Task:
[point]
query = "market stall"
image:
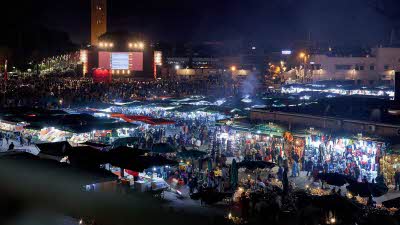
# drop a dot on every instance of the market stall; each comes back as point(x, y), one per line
point(390, 163)
point(9, 126)
point(355, 156)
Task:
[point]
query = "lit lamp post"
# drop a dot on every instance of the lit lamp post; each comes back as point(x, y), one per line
point(233, 69)
point(303, 56)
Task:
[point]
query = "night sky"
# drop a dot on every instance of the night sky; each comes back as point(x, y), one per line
point(261, 21)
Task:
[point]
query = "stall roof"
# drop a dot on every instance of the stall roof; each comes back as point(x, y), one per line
point(76, 123)
point(348, 107)
point(71, 175)
point(143, 119)
point(54, 149)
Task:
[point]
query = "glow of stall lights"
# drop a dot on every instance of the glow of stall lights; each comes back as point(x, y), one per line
point(220, 102)
point(230, 216)
point(154, 169)
point(100, 114)
point(108, 110)
point(247, 100)
point(333, 220)
point(305, 97)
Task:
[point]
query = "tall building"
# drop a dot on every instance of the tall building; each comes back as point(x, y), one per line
point(378, 67)
point(99, 20)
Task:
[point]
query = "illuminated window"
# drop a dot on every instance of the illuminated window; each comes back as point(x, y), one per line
point(359, 67)
point(342, 67)
point(316, 67)
point(386, 67)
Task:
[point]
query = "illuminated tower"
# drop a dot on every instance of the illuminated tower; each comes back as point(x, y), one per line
point(99, 20)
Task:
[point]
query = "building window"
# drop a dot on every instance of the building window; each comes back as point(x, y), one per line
point(343, 67)
point(359, 67)
point(371, 67)
point(316, 67)
point(386, 67)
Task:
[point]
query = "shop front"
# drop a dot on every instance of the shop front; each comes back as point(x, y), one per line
point(8, 126)
point(390, 163)
point(355, 156)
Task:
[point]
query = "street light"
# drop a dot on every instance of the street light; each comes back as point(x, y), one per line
point(233, 68)
point(141, 45)
point(302, 55)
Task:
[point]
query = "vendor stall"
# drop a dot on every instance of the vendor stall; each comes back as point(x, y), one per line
point(11, 126)
point(355, 156)
point(390, 163)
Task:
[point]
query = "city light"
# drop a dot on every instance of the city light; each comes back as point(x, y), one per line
point(141, 45)
point(177, 67)
point(106, 44)
point(233, 68)
point(136, 45)
point(302, 55)
point(158, 58)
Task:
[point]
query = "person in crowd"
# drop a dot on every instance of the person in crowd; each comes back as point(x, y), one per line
point(295, 165)
point(191, 185)
point(29, 139)
point(245, 205)
point(1, 139)
point(285, 181)
point(371, 202)
point(21, 140)
point(11, 146)
point(280, 173)
point(309, 167)
point(356, 172)
point(397, 180)
point(326, 167)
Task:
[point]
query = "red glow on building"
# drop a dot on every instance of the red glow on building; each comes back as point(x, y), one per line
point(101, 75)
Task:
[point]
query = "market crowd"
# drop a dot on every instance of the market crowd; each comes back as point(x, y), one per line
point(53, 92)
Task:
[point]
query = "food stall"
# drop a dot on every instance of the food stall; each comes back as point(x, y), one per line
point(346, 154)
point(9, 126)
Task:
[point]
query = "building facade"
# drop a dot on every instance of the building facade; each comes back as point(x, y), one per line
point(98, 20)
point(379, 67)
